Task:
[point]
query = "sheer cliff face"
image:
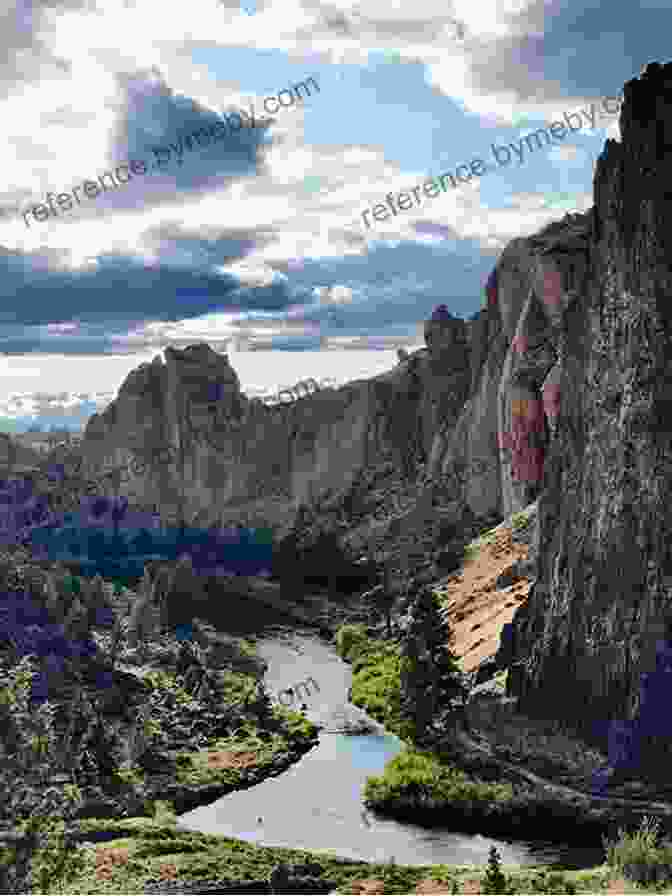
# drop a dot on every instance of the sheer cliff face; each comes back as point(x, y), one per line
point(193, 444)
point(493, 458)
point(474, 412)
point(603, 593)
point(560, 390)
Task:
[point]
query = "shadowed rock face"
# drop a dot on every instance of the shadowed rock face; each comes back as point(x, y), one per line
point(602, 596)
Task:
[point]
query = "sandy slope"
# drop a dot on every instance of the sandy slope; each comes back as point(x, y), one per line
point(475, 609)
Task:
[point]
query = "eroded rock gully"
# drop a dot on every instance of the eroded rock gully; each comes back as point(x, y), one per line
point(558, 390)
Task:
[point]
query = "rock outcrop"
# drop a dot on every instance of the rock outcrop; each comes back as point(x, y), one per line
point(601, 601)
point(558, 391)
point(191, 443)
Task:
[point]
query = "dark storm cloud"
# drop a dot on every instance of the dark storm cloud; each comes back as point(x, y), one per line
point(153, 118)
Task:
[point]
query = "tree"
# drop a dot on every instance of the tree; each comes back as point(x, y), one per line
point(430, 679)
point(495, 881)
point(31, 761)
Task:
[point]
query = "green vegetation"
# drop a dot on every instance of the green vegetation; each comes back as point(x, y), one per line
point(416, 779)
point(410, 686)
point(430, 679)
point(495, 881)
point(130, 775)
point(39, 806)
point(499, 680)
point(225, 759)
point(376, 679)
point(520, 520)
point(147, 848)
point(639, 855)
point(77, 729)
point(350, 639)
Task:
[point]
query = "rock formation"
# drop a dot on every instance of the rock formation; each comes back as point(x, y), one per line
point(601, 602)
point(558, 391)
point(229, 459)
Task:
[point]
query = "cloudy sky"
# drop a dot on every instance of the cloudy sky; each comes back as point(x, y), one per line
point(254, 240)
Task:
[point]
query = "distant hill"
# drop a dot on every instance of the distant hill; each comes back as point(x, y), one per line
point(16, 455)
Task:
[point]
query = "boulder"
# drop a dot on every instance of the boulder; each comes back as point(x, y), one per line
point(505, 653)
point(486, 670)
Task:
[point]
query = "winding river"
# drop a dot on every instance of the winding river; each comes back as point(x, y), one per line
point(317, 803)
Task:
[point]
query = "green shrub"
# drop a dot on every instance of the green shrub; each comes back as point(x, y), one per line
point(349, 637)
point(375, 685)
point(639, 848)
point(32, 801)
point(520, 520)
point(494, 881)
point(130, 775)
point(471, 550)
point(545, 882)
point(163, 812)
point(418, 777)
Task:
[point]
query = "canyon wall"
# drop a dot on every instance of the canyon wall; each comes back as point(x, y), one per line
point(558, 391)
point(456, 432)
point(603, 596)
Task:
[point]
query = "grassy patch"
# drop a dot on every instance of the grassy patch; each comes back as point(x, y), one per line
point(148, 850)
point(499, 680)
point(639, 855)
point(375, 682)
point(417, 778)
point(413, 779)
point(350, 639)
point(130, 775)
point(520, 520)
point(153, 848)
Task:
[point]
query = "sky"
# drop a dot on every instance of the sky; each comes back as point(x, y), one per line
point(253, 238)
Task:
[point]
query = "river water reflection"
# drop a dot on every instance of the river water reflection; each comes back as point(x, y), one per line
point(317, 803)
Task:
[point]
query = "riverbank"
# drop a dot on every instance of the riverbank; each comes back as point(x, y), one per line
point(151, 857)
point(475, 782)
point(203, 747)
point(203, 763)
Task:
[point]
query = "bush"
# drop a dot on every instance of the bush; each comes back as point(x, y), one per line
point(418, 778)
point(639, 855)
point(376, 685)
point(163, 812)
point(545, 882)
point(471, 551)
point(494, 881)
point(45, 813)
point(350, 639)
point(519, 520)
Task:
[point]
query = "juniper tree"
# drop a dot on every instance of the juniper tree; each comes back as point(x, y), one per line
point(430, 678)
point(495, 881)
